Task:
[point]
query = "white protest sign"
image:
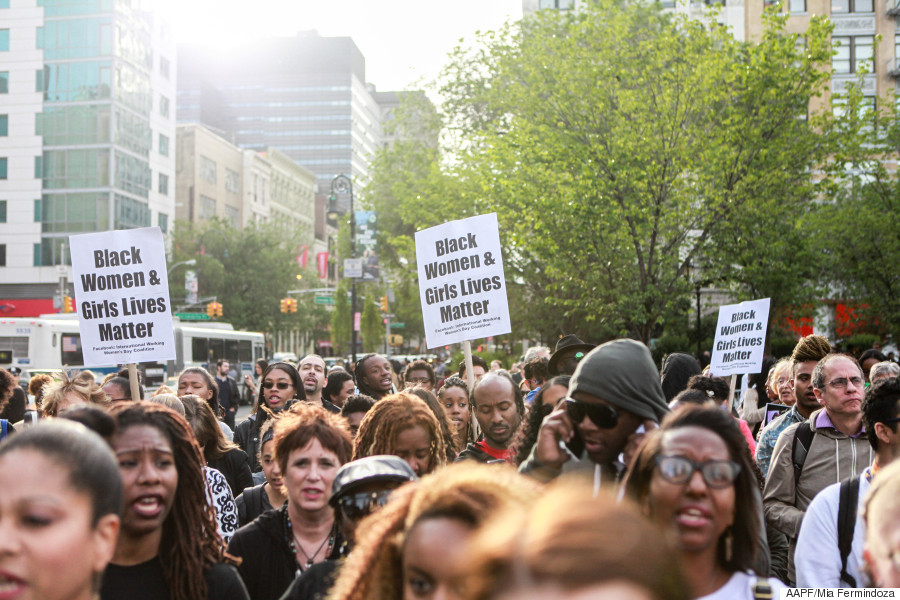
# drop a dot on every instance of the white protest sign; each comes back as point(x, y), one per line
point(740, 338)
point(461, 282)
point(122, 290)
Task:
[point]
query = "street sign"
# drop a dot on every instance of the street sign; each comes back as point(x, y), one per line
point(398, 325)
point(324, 300)
point(192, 316)
point(353, 268)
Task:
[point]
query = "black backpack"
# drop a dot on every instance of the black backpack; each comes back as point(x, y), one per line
point(848, 498)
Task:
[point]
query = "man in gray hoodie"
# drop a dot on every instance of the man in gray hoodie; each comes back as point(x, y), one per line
point(614, 396)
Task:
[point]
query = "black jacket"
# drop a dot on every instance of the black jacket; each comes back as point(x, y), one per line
point(234, 395)
point(246, 435)
point(268, 566)
point(252, 503)
point(235, 466)
point(473, 452)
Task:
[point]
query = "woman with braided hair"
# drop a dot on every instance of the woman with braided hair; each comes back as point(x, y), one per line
point(411, 547)
point(404, 426)
point(168, 547)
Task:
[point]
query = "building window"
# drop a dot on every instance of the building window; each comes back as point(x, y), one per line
point(207, 169)
point(799, 6)
point(4, 82)
point(4, 125)
point(852, 53)
point(38, 167)
point(163, 184)
point(37, 211)
point(4, 40)
point(2, 168)
point(232, 215)
point(232, 181)
point(36, 255)
point(164, 106)
point(39, 81)
point(2, 211)
point(163, 145)
point(2, 255)
point(164, 66)
point(207, 207)
point(4, 3)
point(162, 220)
point(852, 6)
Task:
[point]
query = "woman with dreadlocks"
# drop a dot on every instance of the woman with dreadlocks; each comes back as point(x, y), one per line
point(168, 547)
point(404, 426)
point(279, 388)
point(374, 376)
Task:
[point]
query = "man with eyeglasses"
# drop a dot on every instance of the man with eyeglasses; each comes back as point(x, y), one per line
point(806, 355)
point(420, 373)
point(838, 448)
point(614, 396)
point(569, 352)
point(819, 557)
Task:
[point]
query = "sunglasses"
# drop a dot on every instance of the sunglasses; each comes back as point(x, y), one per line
point(679, 470)
point(357, 506)
point(602, 415)
point(281, 385)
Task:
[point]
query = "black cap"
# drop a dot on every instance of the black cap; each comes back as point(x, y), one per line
point(567, 342)
point(370, 469)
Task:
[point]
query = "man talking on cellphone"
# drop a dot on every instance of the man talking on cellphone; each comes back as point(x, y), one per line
point(614, 397)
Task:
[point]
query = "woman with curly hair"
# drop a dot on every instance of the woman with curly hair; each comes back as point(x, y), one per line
point(168, 546)
point(595, 548)
point(65, 392)
point(279, 387)
point(444, 421)
point(543, 404)
point(413, 546)
point(404, 426)
point(311, 444)
point(694, 477)
point(454, 396)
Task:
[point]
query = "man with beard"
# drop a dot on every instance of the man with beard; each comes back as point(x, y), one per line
point(614, 396)
point(313, 373)
point(499, 408)
point(806, 355)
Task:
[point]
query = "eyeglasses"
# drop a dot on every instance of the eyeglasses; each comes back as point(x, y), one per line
point(841, 382)
point(602, 415)
point(281, 385)
point(679, 470)
point(357, 506)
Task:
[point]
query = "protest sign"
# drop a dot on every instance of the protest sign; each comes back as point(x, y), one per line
point(740, 338)
point(461, 283)
point(773, 411)
point(122, 290)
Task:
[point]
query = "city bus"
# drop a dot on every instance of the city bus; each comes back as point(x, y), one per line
point(53, 342)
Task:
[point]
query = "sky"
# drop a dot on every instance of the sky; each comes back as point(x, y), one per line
point(404, 41)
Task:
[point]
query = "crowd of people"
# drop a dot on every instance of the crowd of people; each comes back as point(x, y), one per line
point(589, 473)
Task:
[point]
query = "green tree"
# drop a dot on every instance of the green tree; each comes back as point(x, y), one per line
point(371, 322)
point(621, 147)
point(259, 269)
point(340, 320)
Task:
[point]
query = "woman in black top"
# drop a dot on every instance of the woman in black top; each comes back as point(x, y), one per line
point(220, 454)
point(280, 386)
point(256, 500)
point(311, 444)
point(168, 547)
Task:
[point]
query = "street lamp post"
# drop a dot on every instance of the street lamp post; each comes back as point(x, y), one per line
point(342, 184)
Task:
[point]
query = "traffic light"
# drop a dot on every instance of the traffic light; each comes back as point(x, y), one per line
point(214, 309)
point(284, 304)
point(384, 304)
point(396, 340)
point(288, 305)
point(68, 304)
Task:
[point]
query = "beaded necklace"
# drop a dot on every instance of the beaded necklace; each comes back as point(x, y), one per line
point(289, 538)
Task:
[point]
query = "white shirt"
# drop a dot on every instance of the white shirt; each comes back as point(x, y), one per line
point(817, 558)
point(740, 587)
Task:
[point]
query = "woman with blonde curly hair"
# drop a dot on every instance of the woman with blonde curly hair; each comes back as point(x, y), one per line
point(65, 392)
point(413, 546)
point(595, 548)
point(402, 425)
